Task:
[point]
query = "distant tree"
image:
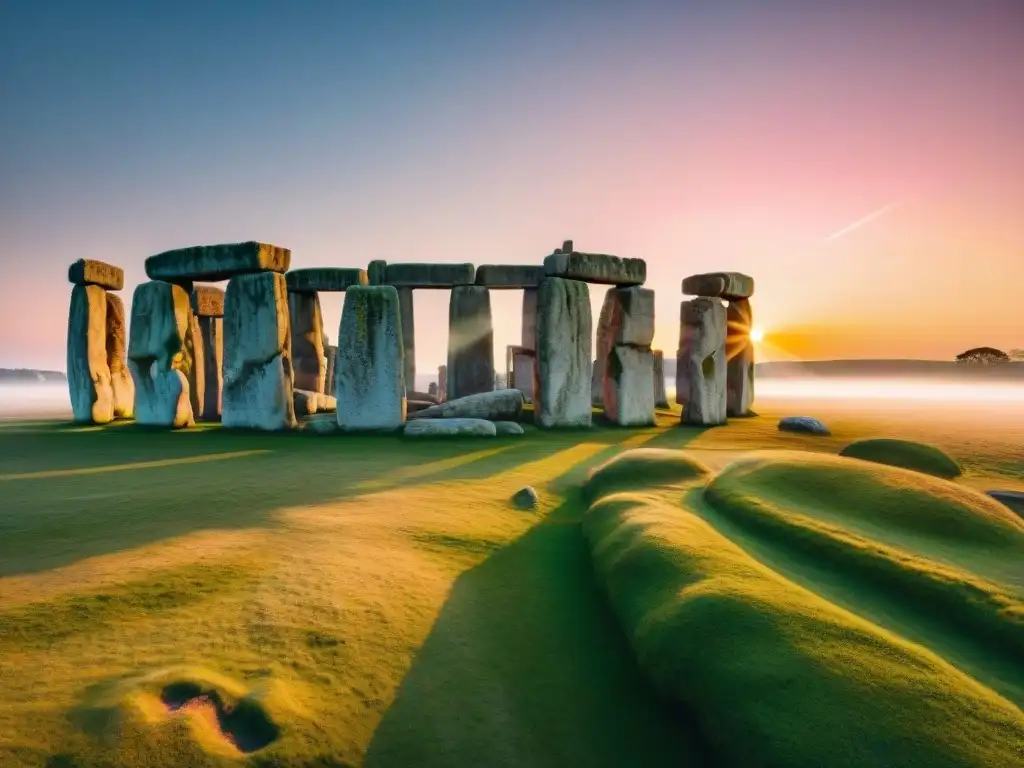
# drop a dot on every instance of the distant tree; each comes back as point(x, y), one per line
point(983, 356)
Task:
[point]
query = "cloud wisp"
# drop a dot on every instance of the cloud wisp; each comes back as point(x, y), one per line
point(876, 214)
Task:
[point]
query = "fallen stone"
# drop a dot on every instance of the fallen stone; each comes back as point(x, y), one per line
point(416, 406)
point(525, 498)
point(375, 272)
point(405, 307)
point(309, 359)
point(324, 279)
point(628, 392)
point(429, 275)
point(328, 403)
point(508, 428)
point(369, 379)
point(450, 428)
point(307, 403)
point(739, 350)
point(803, 425)
point(564, 367)
point(258, 377)
point(720, 285)
point(509, 276)
point(596, 268)
point(321, 424)
point(470, 342)
point(498, 405)
point(207, 301)
point(122, 385)
point(427, 396)
point(212, 331)
point(660, 396)
point(92, 272)
point(700, 375)
point(159, 355)
point(213, 263)
point(1014, 500)
point(89, 385)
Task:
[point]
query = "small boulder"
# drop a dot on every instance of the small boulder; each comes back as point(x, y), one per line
point(508, 428)
point(525, 498)
point(321, 424)
point(498, 405)
point(804, 425)
point(450, 428)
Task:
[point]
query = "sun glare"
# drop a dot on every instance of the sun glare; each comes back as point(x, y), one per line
point(756, 334)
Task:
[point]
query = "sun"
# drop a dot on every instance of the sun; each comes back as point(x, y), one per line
point(756, 334)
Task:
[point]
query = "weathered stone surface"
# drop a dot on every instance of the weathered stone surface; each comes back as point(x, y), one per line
point(450, 428)
point(328, 403)
point(405, 306)
point(597, 268)
point(121, 384)
point(426, 396)
point(195, 374)
point(529, 328)
point(739, 351)
point(442, 383)
point(212, 331)
point(308, 403)
point(213, 263)
point(628, 391)
point(508, 428)
point(258, 377)
point(721, 285)
point(324, 279)
point(525, 498)
point(369, 379)
point(520, 361)
point(159, 355)
point(376, 272)
point(92, 397)
point(499, 405)
point(429, 275)
point(416, 405)
point(803, 425)
point(564, 367)
point(92, 272)
point(321, 424)
point(597, 384)
point(509, 276)
point(309, 359)
point(331, 353)
point(627, 317)
point(701, 376)
point(660, 396)
point(432, 391)
point(470, 342)
point(207, 301)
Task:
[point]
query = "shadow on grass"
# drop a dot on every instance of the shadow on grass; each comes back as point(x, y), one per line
point(526, 666)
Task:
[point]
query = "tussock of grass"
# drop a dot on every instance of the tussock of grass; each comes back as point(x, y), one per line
point(905, 453)
point(775, 675)
point(642, 468)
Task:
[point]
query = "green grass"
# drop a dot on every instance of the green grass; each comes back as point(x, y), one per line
point(906, 454)
point(371, 601)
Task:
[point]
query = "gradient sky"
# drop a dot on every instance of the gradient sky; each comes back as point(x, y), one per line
point(700, 136)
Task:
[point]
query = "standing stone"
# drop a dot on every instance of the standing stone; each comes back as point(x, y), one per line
point(121, 384)
point(196, 374)
point(308, 355)
point(211, 329)
point(660, 397)
point(702, 361)
point(596, 384)
point(405, 306)
point(370, 374)
point(376, 271)
point(561, 391)
point(258, 377)
point(92, 397)
point(158, 356)
point(628, 393)
point(529, 332)
point(627, 319)
point(442, 383)
point(470, 342)
point(432, 389)
point(740, 353)
point(520, 363)
point(332, 356)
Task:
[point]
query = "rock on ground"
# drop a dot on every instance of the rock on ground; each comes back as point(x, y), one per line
point(596, 268)
point(306, 403)
point(740, 353)
point(258, 377)
point(628, 393)
point(508, 428)
point(309, 359)
point(89, 385)
point(525, 498)
point(324, 279)
point(562, 390)
point(450, 428)
point(702, 364)
point(498, 405)
point(509, 276)
point(212, 331)
point(720, 285)
point(121, 383)
point(660, 396)
point(213, 263)
point(92, 272)
point(321, 424)
point(369, 378)
point(429, 275)
point(207, 301)
point(158, 355)
point(804, 425)
point(470, 341)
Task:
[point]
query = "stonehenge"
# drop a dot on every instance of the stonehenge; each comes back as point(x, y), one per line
point(254, 353)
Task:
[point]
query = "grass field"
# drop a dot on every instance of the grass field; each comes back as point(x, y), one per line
point(207, 598)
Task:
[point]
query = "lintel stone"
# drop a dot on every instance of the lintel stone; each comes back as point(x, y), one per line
point(213, 263)
point(509, 276)
point(429, 275)
point(92, 272)
point(598, 268)
point(324, 279)
point(720, 285)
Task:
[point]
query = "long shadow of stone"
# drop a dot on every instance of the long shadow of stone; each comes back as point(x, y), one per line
point(526, 666)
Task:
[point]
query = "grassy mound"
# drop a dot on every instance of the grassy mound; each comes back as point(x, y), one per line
point(775, 675)
point(639, 468)
point(905, 453)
